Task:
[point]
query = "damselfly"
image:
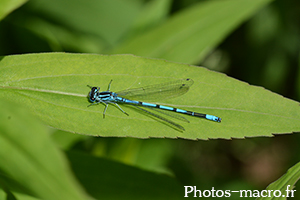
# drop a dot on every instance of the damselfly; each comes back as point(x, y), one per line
point(154, 92)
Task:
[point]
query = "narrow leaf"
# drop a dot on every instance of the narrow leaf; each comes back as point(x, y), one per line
point(108, 19)
point(284, 184)
point(191, 34)
point(7, 6)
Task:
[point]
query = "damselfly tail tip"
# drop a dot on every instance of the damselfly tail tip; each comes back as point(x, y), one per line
point(213, 118)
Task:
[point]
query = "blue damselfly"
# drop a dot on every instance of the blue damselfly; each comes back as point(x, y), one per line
point(136, 96)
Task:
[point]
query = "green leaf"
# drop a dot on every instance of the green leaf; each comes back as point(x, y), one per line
point(108, 19)
point(7, 6)
point(54, 87)
point(21, 196)
point(298, 79)
point(105, 179)
point(30, 162)
point(152, 13)
point(191, 34)
point(65, 140)
point(2, 195)
point(136, 152)
point(284, 183)
point(59, 37)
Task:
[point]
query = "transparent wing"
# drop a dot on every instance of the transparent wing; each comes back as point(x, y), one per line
point(170, 114)
point(158, 91)
point(167, 121)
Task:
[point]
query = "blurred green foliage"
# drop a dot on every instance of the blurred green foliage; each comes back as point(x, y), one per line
point(262, 51)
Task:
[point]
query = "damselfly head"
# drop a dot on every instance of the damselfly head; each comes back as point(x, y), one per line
point(93, 94)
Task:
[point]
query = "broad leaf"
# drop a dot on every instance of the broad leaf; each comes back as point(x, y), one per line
point(30, 162)
point(54, 87)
